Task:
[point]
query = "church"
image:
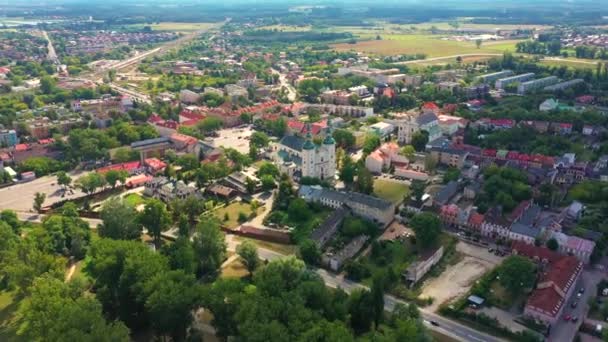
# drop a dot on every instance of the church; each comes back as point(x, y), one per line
point(300, 157)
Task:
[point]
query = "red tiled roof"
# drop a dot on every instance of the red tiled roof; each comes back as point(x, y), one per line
point(46, 141)
point(535, 252)
point(21, 147)
point(130, 166)
point(154, 118)
point(476, 219)
point(519, 210)
point(430, 106)
point(155, 163)
point(488, 153)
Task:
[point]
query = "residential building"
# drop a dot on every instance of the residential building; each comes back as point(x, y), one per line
point(8, 138)
point(558, 278)
point(366, 206)
point(477, 91)
point(532, 85)
point(383, 129)
point(491, 78)
point(188, 96)
point(504, 82)
point(412, 122)
point(564, 85)
point(234, 92)
point(385, 156)
point(574, 245)
point(446, 193)
point(449, 156)
point(167, 190)
point(418, 269)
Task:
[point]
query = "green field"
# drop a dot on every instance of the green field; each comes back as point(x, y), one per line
point(571, 63)
point(179, 27)
point(134, 199)
point(233, 211)
point(390, 191)
point(430, 45)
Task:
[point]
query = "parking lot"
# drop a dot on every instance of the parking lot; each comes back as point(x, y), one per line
point(20, 197)
point(236, 138)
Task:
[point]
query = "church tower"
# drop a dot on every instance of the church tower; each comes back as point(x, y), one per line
point(308, 155)
point(329, 147)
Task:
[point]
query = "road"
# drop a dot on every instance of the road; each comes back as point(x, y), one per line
point(291, 91)
point(137, 96)
point(445, 326)
point(52, 55)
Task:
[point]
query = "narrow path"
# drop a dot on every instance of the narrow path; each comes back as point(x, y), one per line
point(70, 273)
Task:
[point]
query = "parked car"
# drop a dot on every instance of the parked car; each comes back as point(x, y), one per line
point(567, 317)
point(574, 319)
point(574, 304)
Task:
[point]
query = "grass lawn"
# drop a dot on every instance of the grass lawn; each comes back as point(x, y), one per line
point(390, 191)
point(431, 45)
point(571, 63)
point(275, 247)
point(134, 199)
point(235, 269)
point(233, 211)
point(438, 337)
point(8, 310)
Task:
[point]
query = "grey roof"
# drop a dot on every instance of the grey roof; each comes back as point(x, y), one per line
point(357, 197)
point(530, 215)
point(446, 193)
point(524, 229)
point(147, 142)
point(329, 227)
point(476, 299)
point(293, 142)
point(449, 150)
point(426, 118)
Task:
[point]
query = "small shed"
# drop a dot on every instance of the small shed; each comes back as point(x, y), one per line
point(476, 300)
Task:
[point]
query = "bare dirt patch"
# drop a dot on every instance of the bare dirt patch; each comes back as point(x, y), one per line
point(458, 279)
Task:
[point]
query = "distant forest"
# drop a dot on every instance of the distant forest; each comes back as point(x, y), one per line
point(327, 12)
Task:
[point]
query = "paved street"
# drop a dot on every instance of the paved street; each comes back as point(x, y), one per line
point(565, 331)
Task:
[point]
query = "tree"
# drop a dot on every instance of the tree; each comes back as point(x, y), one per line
point(155, 218)
point(39, 198)
point(361, 310)
point(552, 244)
point(170, 298)
point(478, 43)
point(63, 179)
point(269, 169)
point(365, 181)
point(10, 217)
point(267, 182)
point(119, 220)
point(253, 152)
point(209, 124)
point(344, 138)
point(417, 189)
point(249, 255)
point(427, 227)
point(419, 140)
point(408, 151)
point(298, 210)
point(90, 183)
point(348, 169)
point(190, 206)
point(250, 185)
point(56, 311)
point(47, 84)
point(516, 274)
point(181, 255)
point(451, 174)
point(209, 247)
point(372, 142)
point(310, 253)
point(259, 139)
point(377, 294)
point(114, 176)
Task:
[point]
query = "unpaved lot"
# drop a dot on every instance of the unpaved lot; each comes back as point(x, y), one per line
point(457, 279)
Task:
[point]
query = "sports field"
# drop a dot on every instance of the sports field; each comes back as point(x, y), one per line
point(431, 45)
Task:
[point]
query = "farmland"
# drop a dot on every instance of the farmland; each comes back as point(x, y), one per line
point(177, 27)
point(431, 45)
